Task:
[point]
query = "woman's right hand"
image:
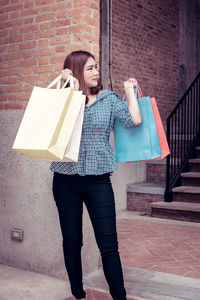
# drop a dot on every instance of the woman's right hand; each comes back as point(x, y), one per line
point(66, 73)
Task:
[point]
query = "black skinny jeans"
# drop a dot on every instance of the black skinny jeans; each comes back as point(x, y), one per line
point(96, 191)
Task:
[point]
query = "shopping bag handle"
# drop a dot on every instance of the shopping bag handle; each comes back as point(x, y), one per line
point(57, 81)
point(138, 93)
point(70, 79)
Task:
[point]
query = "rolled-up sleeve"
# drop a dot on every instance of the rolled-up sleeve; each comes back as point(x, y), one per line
point(121, 112)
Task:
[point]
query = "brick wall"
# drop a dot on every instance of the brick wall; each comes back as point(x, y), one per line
point(35, 37)
point(145, 45)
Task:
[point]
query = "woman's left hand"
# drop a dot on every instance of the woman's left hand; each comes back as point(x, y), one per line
point(66, 73)
point(130, 83)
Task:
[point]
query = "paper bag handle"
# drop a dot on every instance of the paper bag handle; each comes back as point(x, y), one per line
point(138, 93)
point(57, 81)
point(70, 79)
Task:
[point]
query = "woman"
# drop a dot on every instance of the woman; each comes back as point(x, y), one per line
point(88, 180)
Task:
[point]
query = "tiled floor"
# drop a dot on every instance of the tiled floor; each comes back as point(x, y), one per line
point(97, 295)
point(170, 247)
point(94, 295)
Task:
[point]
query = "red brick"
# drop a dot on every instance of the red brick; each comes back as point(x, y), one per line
point(28, 78)
point(49, 8)
point(44, 52)
point(43, 69)
point(10, 80)
point(60, 49)
point(28, 4)
point(79, 46)
point(14, 39)
point(11, 97)
point(43, 43)
point(57, 59)
point(44, 61)
point(29, 12)
point(43, 2)
point(45, 34)
point(85, 19)
point(13, 105)
point(60, 23)
point(27, 45)
point(60, 40)
point(61, 31)
point(4, 2)
point(27, 70)
point(45, 17)
point(15, 8)
point(44, 77)
point(80, 11)
point(62, 14)
point(14, 88)
point(90, 3)
point(45, 26)
point(65, 5)
point(27, 62)
point(23, 96)
point(3, 97)
point(28, 28)
point(28, 21)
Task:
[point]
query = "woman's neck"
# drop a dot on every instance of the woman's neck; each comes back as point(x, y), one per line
point(88, 92)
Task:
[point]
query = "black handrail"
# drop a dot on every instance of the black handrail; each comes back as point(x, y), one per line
point(183, 134)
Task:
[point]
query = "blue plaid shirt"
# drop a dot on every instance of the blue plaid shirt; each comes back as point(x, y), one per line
point(96, 156)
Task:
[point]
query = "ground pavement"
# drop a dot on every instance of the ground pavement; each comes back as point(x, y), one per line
point(160, 258)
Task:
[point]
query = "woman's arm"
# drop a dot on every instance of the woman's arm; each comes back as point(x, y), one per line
point(133, 107)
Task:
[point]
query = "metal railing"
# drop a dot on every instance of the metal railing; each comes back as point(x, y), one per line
point(183, 134)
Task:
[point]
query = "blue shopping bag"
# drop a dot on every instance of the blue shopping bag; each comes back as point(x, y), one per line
point(138, 143)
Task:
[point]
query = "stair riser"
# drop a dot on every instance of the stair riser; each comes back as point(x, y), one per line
point(198, 153)
point(194, 167)
point(142, 202)
point(183, 197)
point(191, 181)
point(176, 214)
point(156, 173)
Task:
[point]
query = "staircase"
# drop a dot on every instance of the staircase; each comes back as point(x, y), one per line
point(179, 186)
point(183, 164)
point(186, 197)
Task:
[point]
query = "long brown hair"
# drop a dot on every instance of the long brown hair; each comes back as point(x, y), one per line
point(75, 61)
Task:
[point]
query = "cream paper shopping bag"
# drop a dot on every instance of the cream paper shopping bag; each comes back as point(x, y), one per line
point(42, 122)
point(73, 119)
point(72, 151)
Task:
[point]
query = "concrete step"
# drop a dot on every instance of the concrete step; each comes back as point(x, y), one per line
point(191, 178)
point(194, 164)
point(151, 285)
point(17, 284)
point(176, 211)
point(186, 193)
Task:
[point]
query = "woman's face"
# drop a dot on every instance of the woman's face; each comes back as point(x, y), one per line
point(91, 74)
